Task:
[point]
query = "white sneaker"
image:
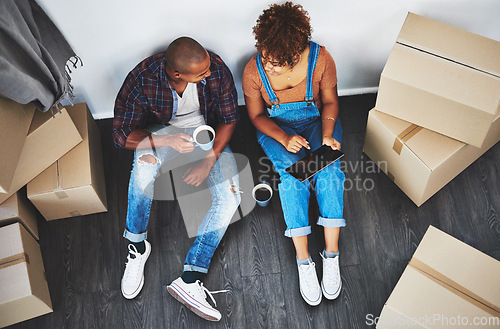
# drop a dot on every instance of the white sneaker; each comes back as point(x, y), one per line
point(309, 285)
point(331, 283)
point(194, 296)
point(133, 277)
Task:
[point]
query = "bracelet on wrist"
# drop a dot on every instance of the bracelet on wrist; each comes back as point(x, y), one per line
point(329, 118)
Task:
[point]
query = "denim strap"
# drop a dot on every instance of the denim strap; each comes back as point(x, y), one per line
point(313, 58)
point(265, 80)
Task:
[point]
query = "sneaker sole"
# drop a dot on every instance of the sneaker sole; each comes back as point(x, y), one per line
point(138, 290)
point(178, 296)
point(308, 301)
point(331, 296)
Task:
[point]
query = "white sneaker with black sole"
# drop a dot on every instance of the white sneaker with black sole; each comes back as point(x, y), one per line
point(309, 284)
point(194, 296)
point(133, 276)
point(331, 284)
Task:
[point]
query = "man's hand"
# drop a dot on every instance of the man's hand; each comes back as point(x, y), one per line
point(197, 174)
point(180, 142)
point(332, 142)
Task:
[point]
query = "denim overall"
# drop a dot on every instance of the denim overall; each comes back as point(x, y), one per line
point(304, 119)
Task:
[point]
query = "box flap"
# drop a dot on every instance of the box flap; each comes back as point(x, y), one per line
point(46, 182)
point(43, 146)
point(430, 147)
point(451, 42)
point(10, 207)
point(18, 208)
point(10, 240)
point(14, 124)
point(74, 168)
point(11, 246)
point(460, 266)
point(446, 79)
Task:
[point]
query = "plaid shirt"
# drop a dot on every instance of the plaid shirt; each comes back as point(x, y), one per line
point(146, 97)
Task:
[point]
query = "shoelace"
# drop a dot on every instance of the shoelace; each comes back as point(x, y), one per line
point(310, 274)
point(132, 266)
point(208, 292)
point(329, 263)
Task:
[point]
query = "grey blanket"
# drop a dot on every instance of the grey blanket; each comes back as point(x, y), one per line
point(33, 56)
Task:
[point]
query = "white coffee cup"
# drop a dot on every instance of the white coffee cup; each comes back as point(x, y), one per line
point(262, 186)
point(202, 134)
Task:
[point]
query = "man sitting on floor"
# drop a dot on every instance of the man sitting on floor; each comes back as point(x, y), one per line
point(163, 99)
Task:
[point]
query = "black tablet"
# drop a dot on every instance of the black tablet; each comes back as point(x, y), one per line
point(314, 162)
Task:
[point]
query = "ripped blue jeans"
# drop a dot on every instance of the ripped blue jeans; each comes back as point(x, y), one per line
point(222, 181)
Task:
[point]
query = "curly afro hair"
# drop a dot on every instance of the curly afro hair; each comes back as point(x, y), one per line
point(283, 32)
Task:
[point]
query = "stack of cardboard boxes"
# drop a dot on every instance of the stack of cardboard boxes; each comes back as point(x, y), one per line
point(437, 111)
point(437, 107)
point(58, 156)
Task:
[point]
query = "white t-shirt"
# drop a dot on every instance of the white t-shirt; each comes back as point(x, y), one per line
point(188, 110)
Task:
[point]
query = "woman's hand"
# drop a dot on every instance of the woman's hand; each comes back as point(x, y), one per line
point(293, 143)
point(332, 142)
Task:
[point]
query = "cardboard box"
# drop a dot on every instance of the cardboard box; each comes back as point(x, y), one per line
point(17, 208)
point(74, 185)
point(24, 293)
point(48, 139)
point(418, 160)
point(14, 125)
point(444, 79)
point(447, 284)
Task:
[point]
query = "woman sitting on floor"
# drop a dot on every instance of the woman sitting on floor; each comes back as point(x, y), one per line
point(290, 91)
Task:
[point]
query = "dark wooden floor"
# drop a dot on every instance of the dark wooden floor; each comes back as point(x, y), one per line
point(84, 256)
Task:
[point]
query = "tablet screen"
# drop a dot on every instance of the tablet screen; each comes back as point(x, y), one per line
point(314, 162)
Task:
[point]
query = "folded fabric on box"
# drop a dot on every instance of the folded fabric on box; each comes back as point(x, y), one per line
point(33, 56)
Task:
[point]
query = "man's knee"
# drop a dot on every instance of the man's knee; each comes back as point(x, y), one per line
point(147, 159)
point(230, 198)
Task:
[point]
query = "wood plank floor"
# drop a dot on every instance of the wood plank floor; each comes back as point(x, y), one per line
point(84, 256)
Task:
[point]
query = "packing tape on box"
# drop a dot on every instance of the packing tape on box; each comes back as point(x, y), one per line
point(454, 287)
point(14, 259)
point(405, 136)
point(61, 194)
point(74, 213)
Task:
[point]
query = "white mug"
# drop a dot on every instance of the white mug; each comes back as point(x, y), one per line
point(263, 185)
point(204, 130)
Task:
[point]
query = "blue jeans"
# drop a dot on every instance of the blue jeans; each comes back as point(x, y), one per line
point(328, 184)
point(222, 180)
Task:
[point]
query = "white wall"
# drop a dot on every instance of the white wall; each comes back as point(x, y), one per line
point(112, 36)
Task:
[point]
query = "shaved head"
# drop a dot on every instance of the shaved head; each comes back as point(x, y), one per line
point(183, 52)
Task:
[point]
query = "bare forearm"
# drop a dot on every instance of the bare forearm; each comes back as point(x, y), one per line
point(268, 127)
point(223, 134)
point(329, 116)
point(140, 139)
